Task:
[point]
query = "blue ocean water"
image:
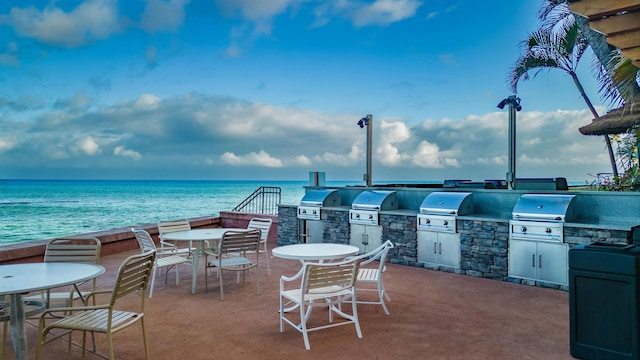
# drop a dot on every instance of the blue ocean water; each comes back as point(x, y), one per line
point(43, 209)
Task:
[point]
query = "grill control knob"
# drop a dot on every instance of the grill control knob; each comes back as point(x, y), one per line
point(547, 230)
point(427, 221)
point(357, 216)
point(370, 217)
point(523, 229)
point(304, 211)
point(445, 222)
point(314, 212)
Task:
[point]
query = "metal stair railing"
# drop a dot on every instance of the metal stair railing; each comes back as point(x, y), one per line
point(264, 200)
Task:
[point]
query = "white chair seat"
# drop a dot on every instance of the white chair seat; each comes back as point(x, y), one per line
point(320, 293)
point(232, 261)
point(171, 260)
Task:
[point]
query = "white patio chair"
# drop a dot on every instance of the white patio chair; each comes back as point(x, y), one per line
point(264, 225)
point(164, 259)
point(372, 274)
point(231, 255)
point(322, 285)
point(169, 226)
point(84, 250)
point(133, 275)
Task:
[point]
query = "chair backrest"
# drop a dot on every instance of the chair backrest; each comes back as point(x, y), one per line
point(239, 241)
point(169, 226)
point(144, 240)
point(318, 276)
point(262, 224)
point(133, 275)
point(380, 253)
point(86, 250)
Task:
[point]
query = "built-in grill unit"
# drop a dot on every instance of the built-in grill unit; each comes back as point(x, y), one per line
point(314, 200)
point(366, 206)
point(439, 210)
point(365, 230)
point(537, 251)
point(541, 216)
point(437, 235)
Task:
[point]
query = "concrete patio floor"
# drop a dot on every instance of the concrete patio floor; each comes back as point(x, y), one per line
point(434, 315)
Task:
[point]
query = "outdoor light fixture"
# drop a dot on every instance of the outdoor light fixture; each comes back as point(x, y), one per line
point(512, 101)
point(514, 105)
point(368, 122)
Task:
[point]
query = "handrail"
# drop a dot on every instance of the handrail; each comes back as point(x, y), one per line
point(264, 200)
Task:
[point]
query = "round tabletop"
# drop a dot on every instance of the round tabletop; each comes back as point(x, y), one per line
point(199, 234)
point(22, 278)
point(316, 251)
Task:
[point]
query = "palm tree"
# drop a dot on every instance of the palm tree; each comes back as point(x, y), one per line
point(548, 49)
point(616, 75)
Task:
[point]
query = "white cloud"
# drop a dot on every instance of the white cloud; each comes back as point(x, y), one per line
point(261, 159)
point(91, 20)
point(6, 144)
point(162, 15)
point(147, 102)
point(87, 146)
point(194, 130)
point(124, 152)
point(257, 9)
point(384, 12)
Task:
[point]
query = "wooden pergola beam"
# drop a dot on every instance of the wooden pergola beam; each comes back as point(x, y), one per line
point(618, 20)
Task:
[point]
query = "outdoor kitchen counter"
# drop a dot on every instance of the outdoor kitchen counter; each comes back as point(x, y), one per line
point(605, 225)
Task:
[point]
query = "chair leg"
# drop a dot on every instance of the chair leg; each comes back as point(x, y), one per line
point(221, 288)
point(144, 339)
point(110, 343)
point(177, 274)
point(266, 255)
point(382, 293)
point(5, 328)
point(153, 281)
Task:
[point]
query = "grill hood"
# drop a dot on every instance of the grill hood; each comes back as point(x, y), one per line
point(318, 198)
point(375, 200)
point(447, 203)
point(544, 207)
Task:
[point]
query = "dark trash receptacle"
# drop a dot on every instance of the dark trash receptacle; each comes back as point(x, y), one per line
point(603, 301)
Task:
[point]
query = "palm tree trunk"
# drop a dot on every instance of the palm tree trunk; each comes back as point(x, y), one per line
point(607, 140)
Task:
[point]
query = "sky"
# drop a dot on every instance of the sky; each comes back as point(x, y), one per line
point(256, 89)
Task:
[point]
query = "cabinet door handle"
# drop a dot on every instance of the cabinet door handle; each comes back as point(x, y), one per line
point(435, 251)
point(440, 248)
point(533, 260)
point(539, 261)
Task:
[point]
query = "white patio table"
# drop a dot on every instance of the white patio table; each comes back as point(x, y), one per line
point(198, 236)
point(18, 279)
point(315, 252)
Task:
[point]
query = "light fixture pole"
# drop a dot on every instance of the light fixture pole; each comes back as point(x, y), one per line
point(514, 105)
point(368, 122)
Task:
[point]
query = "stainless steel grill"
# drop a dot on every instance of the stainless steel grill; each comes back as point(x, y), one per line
point(541, 216)
point(314, 200)
point(439, 210)
point(438, 238)
point(365, 207)
point(536, 242)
